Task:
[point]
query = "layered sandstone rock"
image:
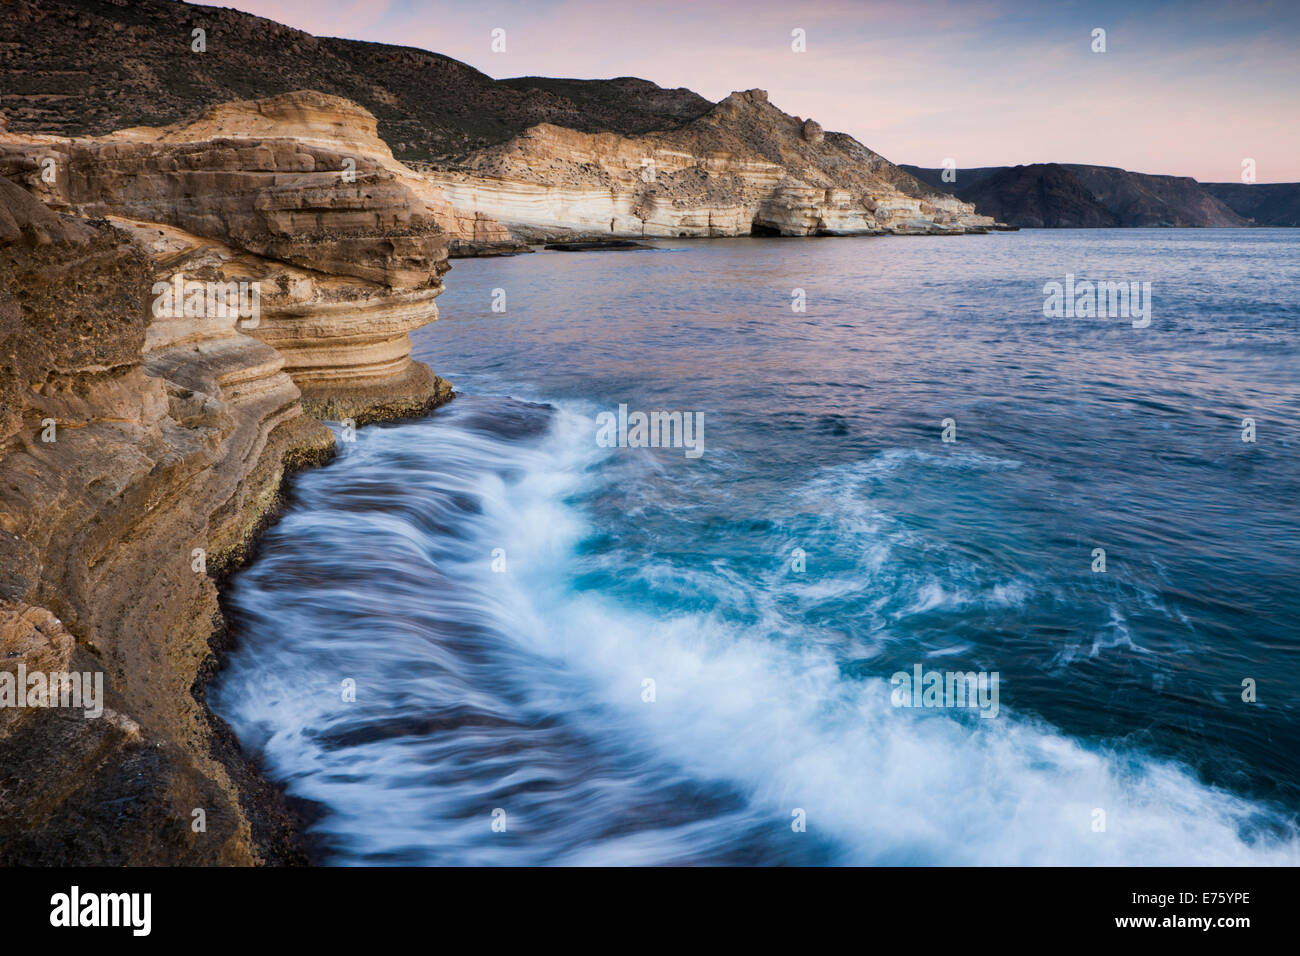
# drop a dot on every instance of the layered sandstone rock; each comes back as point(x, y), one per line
point(343, 130)
point(124, 446)
point(743, 168)
point(295, 193)
point(143, 443)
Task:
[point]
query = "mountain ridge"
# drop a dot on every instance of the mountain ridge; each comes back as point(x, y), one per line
point(1132, 199)
point(550, 158)
point(429, 106)
point(1264, 204)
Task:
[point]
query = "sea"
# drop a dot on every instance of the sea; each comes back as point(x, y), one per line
point(515, 632)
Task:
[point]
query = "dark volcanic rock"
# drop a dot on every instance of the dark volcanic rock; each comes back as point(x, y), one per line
point(1264, 204)
point(1140, 199)
point(1134, 199)
point(79, 67)
point(1044, 195)
point(965, 178)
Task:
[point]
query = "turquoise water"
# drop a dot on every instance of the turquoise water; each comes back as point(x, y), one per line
point(502, 587)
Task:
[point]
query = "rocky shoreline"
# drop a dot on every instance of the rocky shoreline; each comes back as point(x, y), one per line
point(180, 307)
point(144, 446)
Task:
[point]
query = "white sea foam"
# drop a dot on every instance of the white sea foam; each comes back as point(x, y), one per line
point(762, 703)
point(886, 785)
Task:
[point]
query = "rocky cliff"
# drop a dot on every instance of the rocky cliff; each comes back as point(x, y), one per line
point(144, 440)
point(1140, 199)
point(123, 448)
point(1262, 204)
point(745, 167)
point(297, 194)
point(1039, 196)
point(1074, 196)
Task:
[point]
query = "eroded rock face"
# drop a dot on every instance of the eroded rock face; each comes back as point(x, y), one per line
point(275, 198)
point(121, 451)
point(143, 445)
point(744, 167)
point(344, 131)
point(299, 195)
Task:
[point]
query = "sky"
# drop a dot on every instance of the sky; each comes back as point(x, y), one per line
point(1184, 88)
